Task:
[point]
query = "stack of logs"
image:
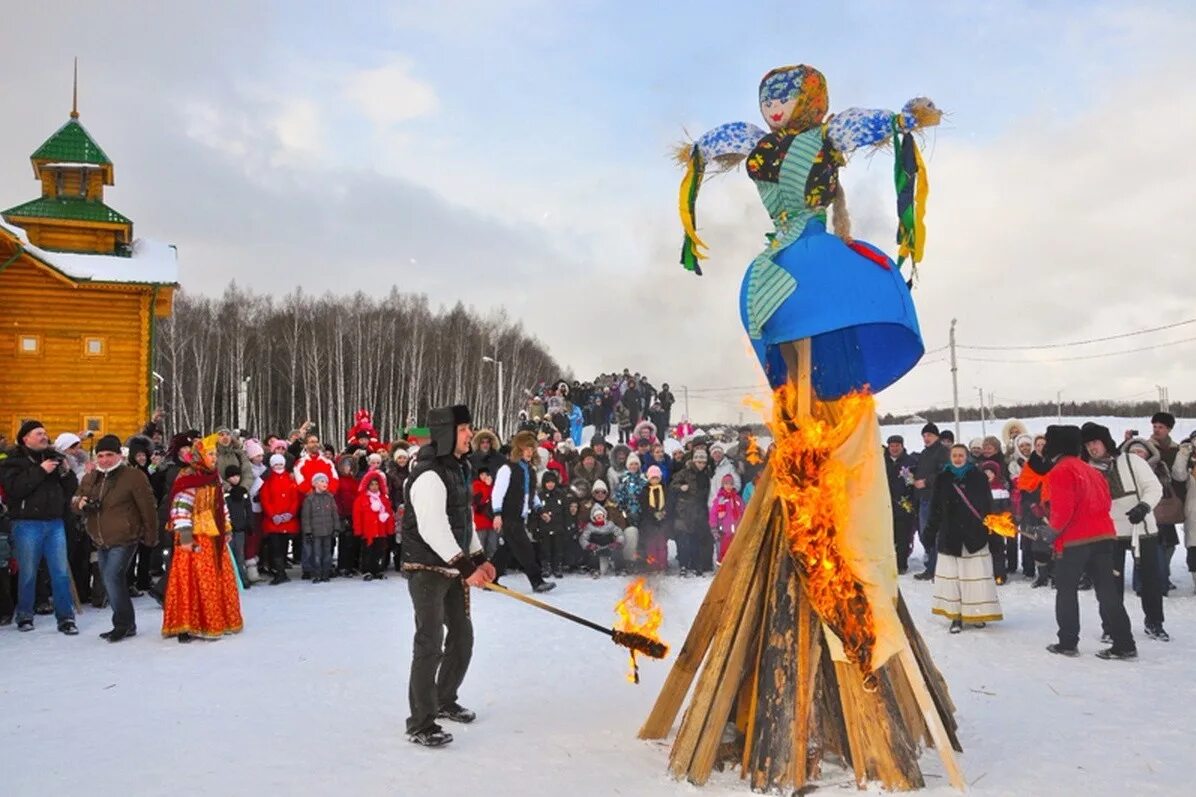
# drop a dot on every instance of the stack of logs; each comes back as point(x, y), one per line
point(771, 700)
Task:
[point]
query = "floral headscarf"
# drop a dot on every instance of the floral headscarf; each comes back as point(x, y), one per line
point(805, 83)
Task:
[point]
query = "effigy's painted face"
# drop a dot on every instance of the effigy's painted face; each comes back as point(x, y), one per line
point(793, 97)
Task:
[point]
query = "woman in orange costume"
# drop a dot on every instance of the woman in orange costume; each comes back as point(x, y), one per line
point(201, 597)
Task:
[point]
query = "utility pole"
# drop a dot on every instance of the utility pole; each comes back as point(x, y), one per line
point(1059, 405)
point(983, 425)
point(1164, 399)
point(955, 380)
point(500, 426)
point(685, 390)
point(243, 404)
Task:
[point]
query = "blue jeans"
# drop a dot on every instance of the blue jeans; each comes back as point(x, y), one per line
point(114, 570)
point(321, 554)
point(931, 553)
point(307, 558)
point(32, 540)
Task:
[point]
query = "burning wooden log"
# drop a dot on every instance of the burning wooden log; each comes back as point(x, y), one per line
point(786, 639)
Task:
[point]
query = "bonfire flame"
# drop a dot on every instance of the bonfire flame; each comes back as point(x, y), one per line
point(814, 491)
point(1001, 524)
point(638, 625)
point(752, 455)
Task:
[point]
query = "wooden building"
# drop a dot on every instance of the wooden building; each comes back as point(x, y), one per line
point(79, 298)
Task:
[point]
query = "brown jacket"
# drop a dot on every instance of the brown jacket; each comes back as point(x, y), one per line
point(127, 513)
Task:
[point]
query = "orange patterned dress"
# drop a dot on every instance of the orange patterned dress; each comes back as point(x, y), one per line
point(201, 592)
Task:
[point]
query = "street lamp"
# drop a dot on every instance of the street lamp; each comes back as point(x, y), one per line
point(502, 435)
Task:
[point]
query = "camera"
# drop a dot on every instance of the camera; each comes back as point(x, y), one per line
point(90, 508)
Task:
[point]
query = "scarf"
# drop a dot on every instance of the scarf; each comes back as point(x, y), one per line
point(527, 483)
point(191, 478)
point(378, 507)
point(655, 494)
point(960, 471)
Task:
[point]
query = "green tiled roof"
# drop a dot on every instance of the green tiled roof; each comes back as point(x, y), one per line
point(71, 144)
point(74, 208)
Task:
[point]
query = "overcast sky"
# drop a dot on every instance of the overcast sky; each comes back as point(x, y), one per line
point(518, 154)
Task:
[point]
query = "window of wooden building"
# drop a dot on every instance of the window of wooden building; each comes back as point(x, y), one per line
point(29, 344)
point(93, 423)
point(94, 347)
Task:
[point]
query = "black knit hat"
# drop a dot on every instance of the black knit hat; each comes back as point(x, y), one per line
point(930, 428)
point(896, 438)
point(1063, 441)
point(1165, 418)
point(232, 470)
point(1094, 431)
point(109, 443)
point(27, 427)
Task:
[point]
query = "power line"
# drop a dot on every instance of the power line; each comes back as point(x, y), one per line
point(1080, 357)
point(1081, 342)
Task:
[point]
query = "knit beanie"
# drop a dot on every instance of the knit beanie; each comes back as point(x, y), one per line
point(231, 471)
point(655, 472)
point(109, 443)
point(253, 449)
point(26, 428)
point(319, 477)
point(931, 428)
point(599, 485)
point(278, 459)
point(633, 458)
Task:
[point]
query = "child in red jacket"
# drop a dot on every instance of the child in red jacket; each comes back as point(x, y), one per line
point(348, 552)
point(373, 523)
point(280, 501)
point(483, 513)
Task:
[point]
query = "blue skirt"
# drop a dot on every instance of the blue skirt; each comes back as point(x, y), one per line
point(859, 315)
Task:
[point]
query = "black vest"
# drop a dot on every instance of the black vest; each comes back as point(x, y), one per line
point(458, 506)
point(512, 502)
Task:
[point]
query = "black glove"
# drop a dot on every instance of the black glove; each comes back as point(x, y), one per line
point(1138, 513)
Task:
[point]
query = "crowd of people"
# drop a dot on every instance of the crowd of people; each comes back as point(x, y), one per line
point(1079, 503)
point(101, 526)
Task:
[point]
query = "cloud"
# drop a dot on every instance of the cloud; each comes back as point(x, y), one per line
point(389, 95)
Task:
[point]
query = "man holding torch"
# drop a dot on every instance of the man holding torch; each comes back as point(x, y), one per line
point(443, 555)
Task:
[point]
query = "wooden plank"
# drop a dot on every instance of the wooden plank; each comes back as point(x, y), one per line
point(745, 546)
point(930, 674)
point(726, 686)
point(726, 625)
point(934, 721)
point(809, 646)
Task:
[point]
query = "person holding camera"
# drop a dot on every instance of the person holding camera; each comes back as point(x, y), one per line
point(117, 505)
point(37, 483)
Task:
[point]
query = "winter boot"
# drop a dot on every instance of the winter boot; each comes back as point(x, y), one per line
point(1085, 583)
point(251, 571)
point(544, 586)
point(1043, 579)
point(68, 627)
point(956, 627)
point(1059, 650)
point(457, 713)
point(434, 736)
point(1157, 633)
point(1129, 654)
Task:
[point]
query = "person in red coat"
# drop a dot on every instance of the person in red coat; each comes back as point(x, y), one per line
point(373, 522)
point(483, 513)
point(280, 499)
point(1080, 513)
point(348, 554)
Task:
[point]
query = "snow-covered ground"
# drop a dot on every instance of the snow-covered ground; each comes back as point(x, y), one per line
point(311, 698)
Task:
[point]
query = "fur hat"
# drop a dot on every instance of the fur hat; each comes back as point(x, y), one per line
point(655, 472)
point(587, 452)
point(235, 470)
point(26, 428)
point(277, 459)
point(1063, 441)
point(580, 487)
point(1090, 432)
point(1165, 418)
point(109, 443)
point(549, 475)
point(443, 423)
point(1147, 445)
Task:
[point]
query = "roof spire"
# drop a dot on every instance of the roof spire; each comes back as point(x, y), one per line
point(75, 92)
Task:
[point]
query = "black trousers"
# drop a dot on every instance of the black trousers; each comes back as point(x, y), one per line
point(374, 555)
point(348, 553)
point(903, 537)
point(8, 606)
point(552, 551)
point(278, 545)
point(439, 660)
point(78, 554)
point(1149, 575)
point(1095, 559)
point(518, 546)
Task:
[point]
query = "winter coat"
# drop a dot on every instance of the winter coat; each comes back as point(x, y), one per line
point(606, 536)
point(483, 514)
point(29, 492)
point(320, 516)
point(622, 416)
point(628, 493)
point(931, 463)
point(589, 475)
point(901, 483)
point(259, 473)
point(576, 424)
point(127, 513)
point(726, 510)
point(234, 454)
point(373, 515)
point(665, 397)
point(1131, 481)
point(491, 460)
point(396, 481)
point(1181, 473)
point(665, 464)
point(554, 505)
point(280, 498)
point(654, 510)
point(724, 468)
point(1080, 504)
point(688, 493)
point(346, 495)
point(240, 509)
point(307, 467)
point(952, 524)
point(637, 434)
